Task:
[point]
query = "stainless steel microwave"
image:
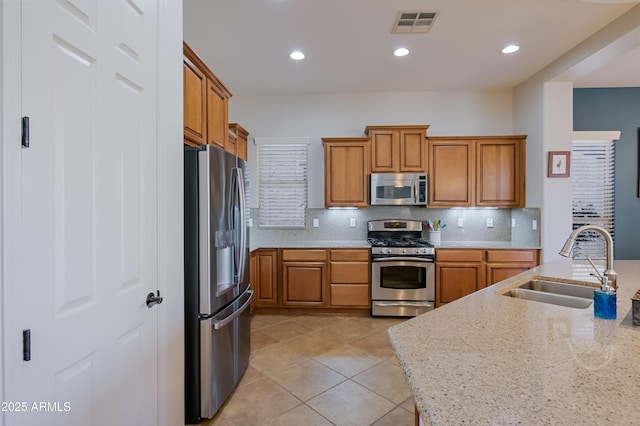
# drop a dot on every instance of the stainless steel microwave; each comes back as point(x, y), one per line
point(393, 189)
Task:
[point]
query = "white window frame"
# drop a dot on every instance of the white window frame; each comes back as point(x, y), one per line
point(273, 214)
point(593, 188)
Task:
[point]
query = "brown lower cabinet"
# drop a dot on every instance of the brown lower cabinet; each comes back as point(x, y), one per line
point(503, 264)
point(460, 272)
point(264, 277)
point(329, 279)
point(304, 277)
point(338, 279)
point(349, 278)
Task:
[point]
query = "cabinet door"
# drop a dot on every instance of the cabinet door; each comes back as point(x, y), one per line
point(451, 173)
point(303, 283)
point(455, 280)
point(413, 150)
point(266, 277)
point(500, 172)
point(349, 284)
point(217, 111)
point(385, 151)
point(346, 182)
point(239, 136)
point(195, 95)
point(497, 272)
point(503, 264)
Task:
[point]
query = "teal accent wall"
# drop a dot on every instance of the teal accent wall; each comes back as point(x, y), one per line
point(617, 109)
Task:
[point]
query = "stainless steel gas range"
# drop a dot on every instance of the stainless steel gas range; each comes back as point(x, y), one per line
point(402, 268)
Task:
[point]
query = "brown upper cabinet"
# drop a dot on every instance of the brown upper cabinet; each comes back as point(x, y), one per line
point(486, 171)
point(398, 149)
point(451, 169)
point(195, 103)
point(206, 103)
point(346, 172)
point(237, 141)
point(500, 172)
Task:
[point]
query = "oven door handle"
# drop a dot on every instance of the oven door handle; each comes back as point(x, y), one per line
point(404, 303)
point(403, 259)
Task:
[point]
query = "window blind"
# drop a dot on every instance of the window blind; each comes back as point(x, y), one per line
point(282, 180)
point(593, 193)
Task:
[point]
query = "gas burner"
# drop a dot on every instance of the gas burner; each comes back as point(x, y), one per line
point(399, 242)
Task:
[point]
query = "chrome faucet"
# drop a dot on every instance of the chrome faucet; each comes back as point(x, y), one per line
point(609, 273)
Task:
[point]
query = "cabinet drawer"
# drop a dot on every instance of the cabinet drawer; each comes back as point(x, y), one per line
point(350, 295)
point(511, 255)
point(361, 255)
point(304, 255)
point(454, 255)
point(350, 272)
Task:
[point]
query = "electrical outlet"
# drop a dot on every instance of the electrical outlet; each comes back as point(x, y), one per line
point(513, 222)
point(316, 222)
point(534, 224)
point(460, 222)
point(489, 222)
point(352, 222)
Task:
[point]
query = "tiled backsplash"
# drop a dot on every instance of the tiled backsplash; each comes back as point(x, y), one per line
point(335, 224)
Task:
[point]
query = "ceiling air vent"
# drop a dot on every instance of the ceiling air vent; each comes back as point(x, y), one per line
point(417, 22)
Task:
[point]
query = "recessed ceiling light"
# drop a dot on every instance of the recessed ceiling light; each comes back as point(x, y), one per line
point(402, 51)
point(296, 55)
point(511, 48)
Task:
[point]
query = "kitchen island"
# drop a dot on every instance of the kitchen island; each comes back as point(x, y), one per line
point(492, 359)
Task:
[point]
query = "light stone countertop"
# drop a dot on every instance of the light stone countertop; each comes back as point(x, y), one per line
point(311, 244)
point(301, 243)
point(486, 245)
point(492, 359)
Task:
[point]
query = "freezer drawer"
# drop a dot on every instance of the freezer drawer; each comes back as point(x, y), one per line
point(224, 353)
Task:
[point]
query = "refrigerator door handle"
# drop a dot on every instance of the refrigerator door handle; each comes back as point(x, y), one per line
point(242, 225)
point(219, 323)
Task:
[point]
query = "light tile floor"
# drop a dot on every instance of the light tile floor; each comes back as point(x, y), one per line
point(319, 370)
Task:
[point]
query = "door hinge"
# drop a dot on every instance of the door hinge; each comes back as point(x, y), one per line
point(25, 132)
point(26, 345)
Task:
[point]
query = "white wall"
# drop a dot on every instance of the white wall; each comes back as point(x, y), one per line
point(558, 136)
point(543, 109)
point(347, 114)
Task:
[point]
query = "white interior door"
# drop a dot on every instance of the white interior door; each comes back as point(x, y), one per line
point(88, 208)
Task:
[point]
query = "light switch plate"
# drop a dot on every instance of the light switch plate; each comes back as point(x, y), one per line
point(513, 222)
point(352, 222)
point(534, 224)
point(316, 222)
point(460, 222)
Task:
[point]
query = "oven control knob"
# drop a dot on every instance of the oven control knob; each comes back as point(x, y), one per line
point(404, 251)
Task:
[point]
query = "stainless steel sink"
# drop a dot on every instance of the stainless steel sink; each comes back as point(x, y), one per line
point(556, 293)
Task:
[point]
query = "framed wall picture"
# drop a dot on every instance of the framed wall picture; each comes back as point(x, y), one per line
point(558, 164)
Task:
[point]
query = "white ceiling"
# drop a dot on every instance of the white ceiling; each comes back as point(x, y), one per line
point(349, 44)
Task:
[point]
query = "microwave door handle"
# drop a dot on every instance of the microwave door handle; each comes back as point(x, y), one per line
point(415, 192)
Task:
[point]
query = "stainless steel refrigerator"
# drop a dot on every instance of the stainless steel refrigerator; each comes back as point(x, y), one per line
point(217, 290)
